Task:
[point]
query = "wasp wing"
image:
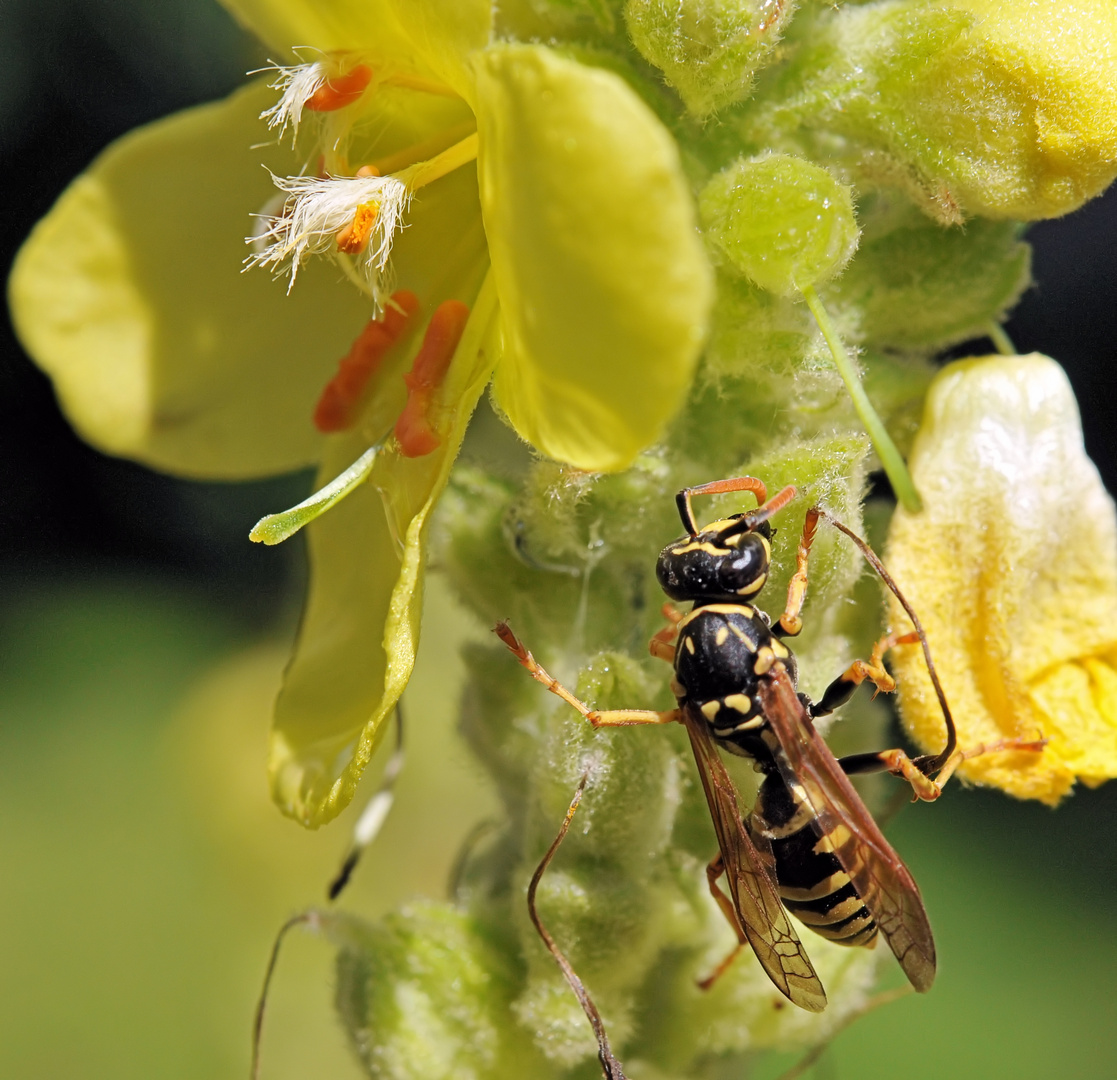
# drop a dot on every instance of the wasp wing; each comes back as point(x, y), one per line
point(877, 872)
point(762, 917)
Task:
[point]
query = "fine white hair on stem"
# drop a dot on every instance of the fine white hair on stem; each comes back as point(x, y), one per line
point(317, 209)
point(296, 85)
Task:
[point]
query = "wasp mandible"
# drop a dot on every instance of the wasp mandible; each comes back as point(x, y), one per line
point(810, 845)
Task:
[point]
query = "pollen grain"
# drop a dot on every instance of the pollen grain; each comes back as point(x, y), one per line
point(353, 239)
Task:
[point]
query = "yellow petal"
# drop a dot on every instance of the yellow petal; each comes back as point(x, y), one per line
point(130, 295)
point(324, 25)
point(360, 629)
point(1012, 566)
point(445, 32)
point(430, 37)
point(604, 287)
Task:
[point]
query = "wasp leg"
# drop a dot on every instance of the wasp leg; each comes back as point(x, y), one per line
point(1026, 745)
point(900, 764)
point(714, 871)
point(599, 718)
point(662, 645)
point(841, 689)
point(790, 622)
point(672, 614)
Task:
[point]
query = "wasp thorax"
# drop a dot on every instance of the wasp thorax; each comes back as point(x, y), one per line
point(725, 561)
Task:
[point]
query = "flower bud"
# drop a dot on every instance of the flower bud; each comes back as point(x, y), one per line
point(419, 994)
point(708, 50)
point(916, 284)
point(780, 221)
point(1005, 110)
point(1047, 73)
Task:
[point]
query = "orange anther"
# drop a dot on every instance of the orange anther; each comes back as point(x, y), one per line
point(340, 90)
point(414, 431)
point(367, 170)
point(337, 407)
point(353, 239)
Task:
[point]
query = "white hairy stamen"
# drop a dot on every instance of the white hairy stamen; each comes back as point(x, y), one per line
point(316, 210)
point(296, 86)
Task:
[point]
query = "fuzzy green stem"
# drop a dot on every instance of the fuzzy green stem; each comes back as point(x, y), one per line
point(1000, 339)
point(890, 458)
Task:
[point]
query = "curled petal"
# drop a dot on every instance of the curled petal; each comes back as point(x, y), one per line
point(1012, 567)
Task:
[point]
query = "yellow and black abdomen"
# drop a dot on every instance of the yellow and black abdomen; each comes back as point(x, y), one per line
point(809, 878)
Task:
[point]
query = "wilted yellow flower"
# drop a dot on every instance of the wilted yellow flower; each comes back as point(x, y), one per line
point(1012, 566)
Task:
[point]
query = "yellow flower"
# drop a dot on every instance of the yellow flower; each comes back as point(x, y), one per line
point(1012, 567)
point(1054, 67)
point(572, 244)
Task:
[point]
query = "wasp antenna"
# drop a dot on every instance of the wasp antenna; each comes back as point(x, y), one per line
point(374, 814)
point(932, 764)
point(716, 487)
point(307, 917)
point(772, 507)
point(610, 1066)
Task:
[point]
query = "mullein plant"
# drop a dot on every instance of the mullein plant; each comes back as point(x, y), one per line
point(676, 242)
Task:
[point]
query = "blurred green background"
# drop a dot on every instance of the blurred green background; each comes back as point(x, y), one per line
point(143, 872)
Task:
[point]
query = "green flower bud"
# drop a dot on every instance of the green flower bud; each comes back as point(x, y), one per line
point(780, 221)
point(918, 285)
point(708, 50)
point(975, 107)
point(422, 995)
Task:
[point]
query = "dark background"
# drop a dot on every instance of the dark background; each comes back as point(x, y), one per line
point(74, 75)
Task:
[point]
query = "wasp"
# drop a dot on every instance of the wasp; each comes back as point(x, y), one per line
point(810, 846)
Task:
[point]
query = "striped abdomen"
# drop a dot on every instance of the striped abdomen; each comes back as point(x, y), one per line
point(809, 878)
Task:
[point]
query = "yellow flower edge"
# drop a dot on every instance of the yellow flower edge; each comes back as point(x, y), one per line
point(1012, 567)
point(130, 295)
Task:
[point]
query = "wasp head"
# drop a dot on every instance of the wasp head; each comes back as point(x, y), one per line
point(728, 560)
